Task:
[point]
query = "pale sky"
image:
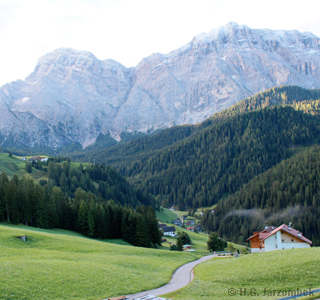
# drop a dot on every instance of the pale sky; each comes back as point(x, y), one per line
point(129, 30)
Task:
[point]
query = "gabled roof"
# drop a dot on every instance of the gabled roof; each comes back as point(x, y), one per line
point(161, 225)
point(291, 231)
point(168, 229)
point(262, 233)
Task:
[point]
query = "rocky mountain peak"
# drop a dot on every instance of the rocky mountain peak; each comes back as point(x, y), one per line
point(73, 97)
point(60, 60)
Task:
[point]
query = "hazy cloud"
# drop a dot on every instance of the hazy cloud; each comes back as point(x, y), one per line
point(265, 216)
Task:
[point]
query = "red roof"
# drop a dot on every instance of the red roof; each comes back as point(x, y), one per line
point(190, 228)
point(289, 230)
point(263, 233)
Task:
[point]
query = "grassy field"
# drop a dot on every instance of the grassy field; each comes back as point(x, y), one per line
point(199, 241)
point(58, 264)
point(166, 215)
point(277, 270)
point(11, 165)
point(14, 165)
point(182, 213)
point(205, 208)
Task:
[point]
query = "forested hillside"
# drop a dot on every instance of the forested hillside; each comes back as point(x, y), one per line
point(195, 166)
point(97, 179)
point(288, 192)
point(202, 170)
point(95, 201)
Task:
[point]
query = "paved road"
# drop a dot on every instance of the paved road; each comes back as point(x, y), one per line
point(180, 278)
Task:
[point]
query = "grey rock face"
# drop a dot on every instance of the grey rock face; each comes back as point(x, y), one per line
point(72, 96)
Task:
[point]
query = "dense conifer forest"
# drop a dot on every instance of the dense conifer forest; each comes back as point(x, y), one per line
point(97, 179)
point(204, 169)
point(288, 192)
point(95, 201)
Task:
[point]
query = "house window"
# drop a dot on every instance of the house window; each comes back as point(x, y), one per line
point(292, 240)
point(276, 246)
point(275, 237)
point(282, 241)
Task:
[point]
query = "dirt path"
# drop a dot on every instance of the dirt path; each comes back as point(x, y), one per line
point(179, 279)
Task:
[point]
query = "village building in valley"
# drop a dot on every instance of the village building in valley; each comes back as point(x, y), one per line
point(275, 238)
point(169, 230)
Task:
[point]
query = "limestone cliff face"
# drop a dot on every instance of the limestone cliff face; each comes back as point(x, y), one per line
point(72, 96)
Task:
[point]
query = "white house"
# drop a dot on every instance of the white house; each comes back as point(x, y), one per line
point(169, 230)
point(257, 239)
point(285, 237)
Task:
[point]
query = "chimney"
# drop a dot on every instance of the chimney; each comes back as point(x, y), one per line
point(289, 227)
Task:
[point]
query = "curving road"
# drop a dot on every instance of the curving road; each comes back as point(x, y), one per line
point(179, 279)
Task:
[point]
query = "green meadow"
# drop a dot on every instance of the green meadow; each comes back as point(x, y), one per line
point(166, 216)
point(205, 208)
point(11, 165)
point(262, 273)
point(58, 264)
point(199, 241)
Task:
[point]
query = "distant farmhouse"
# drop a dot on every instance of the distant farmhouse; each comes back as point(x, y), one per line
point(35, 159)
point(275, 238)
point(177, 222)
point(190, 222)
point(169, 230)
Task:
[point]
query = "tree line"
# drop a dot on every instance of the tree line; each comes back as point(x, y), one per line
point(24, 201)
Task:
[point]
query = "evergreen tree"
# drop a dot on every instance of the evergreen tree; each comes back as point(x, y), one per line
point(82, 221)
point(179, 244)
point(215, 243)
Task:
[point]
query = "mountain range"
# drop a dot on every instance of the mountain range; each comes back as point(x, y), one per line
point(71, 97)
